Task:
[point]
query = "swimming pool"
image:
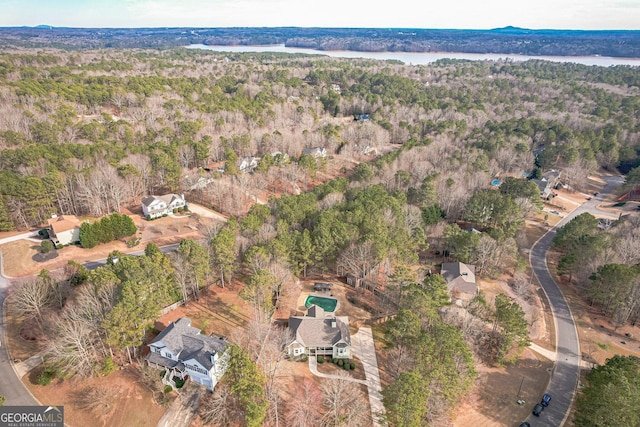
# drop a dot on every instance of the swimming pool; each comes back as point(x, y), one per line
point(327, 304)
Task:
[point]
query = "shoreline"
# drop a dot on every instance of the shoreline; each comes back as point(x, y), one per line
point(416, 58)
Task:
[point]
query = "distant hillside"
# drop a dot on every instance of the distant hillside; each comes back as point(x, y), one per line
point(507, 40)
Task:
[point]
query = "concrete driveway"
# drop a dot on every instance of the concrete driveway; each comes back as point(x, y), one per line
point(363, 347)
point(207, 213)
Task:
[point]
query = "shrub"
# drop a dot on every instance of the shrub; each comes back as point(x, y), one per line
point(162, 374)
point(148, 217)
point(340, 362)
point(346, 366)
point(186, 208)
point(303, 358)
point(133, 242)
point(320, 359)
point(59, 246)
point(46, 376)
point(109, 366)
point(330, 360)
point(168, 389)
point(46, 246)
point(164, 215)
point(353, 366)
point(179, 382)
point(175, 210)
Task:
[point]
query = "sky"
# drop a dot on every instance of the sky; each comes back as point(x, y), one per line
point(464, 14)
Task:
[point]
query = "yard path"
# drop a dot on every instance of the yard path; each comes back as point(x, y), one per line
point(184, 408)
point(363, 347)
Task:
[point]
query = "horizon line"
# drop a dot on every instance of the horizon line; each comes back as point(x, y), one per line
point(507, 28)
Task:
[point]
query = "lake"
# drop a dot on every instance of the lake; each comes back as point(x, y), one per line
point(423, 58)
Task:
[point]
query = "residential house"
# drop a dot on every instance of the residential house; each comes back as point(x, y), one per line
point(280, 158)
point(182, 351)
point(157, 206)
point(215, 167)
point(362, 118)
point(64, 229)
point(461, 279)
point(549, 181)
point(248, 164)
point(319, 333)
point(316, 152)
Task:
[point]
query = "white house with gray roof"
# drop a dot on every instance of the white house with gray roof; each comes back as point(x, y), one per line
point(319, 333)
point(156, 206)
point(182, 351)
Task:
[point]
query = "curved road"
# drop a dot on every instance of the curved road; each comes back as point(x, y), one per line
point(566, 373)
point(11, 387)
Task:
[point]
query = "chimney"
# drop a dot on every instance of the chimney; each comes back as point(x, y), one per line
point(334, 324)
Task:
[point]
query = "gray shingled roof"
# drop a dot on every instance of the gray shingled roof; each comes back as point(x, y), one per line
point(317, 330)
point(167, 198)
point(187, 343)
point(460, 276)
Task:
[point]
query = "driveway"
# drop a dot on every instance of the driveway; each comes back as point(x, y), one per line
point(207, 213)
point(566, 373)
point(362, 346)
point(184, 408)
point(11, 387)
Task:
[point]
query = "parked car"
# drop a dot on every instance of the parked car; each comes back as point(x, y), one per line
point(525, 424)
point(545, 399)
point(538, 409)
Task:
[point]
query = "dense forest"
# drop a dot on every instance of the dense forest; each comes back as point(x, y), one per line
point(87, 132)
point(508, 40)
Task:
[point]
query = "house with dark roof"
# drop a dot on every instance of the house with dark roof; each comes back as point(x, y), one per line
point(549, 181)
point(319, 333)
point(157, 206)
point(461, 279)
point(182, 351)
point(64, 229)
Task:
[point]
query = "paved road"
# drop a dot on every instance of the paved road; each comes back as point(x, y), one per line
point(92, 265)
point(565, 375)
point(11, 387)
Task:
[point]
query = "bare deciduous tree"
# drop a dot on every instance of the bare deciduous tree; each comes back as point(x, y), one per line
point(96, 399)
point(305, 409)
point(344, 403)
point(31, 299)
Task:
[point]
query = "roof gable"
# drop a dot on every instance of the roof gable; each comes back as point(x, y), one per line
point(63, 223)
point(460, 276)
point(320, 331)
point(186, 342)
